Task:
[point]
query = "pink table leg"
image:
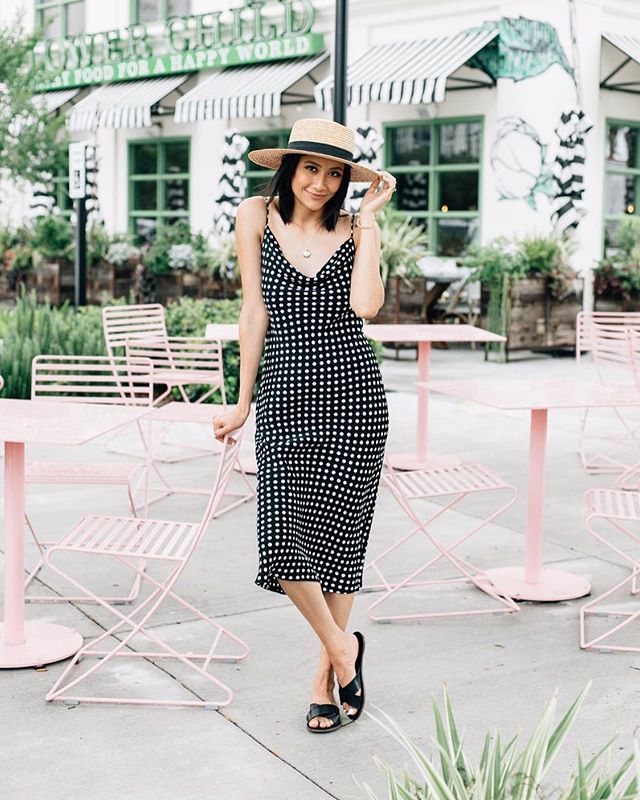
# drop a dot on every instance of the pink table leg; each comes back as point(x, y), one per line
point(33, 643)
point(536, 582)
point(421, 459)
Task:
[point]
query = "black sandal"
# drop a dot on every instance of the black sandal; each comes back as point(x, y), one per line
point(327, 710)
point(348, 694)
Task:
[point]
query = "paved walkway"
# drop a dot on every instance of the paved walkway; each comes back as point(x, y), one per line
point(500, 670)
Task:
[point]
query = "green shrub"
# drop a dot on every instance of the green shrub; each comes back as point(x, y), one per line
point(402, 245)
point(31, 329)
point(52, 237)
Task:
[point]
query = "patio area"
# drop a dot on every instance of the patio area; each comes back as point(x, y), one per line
point(500, 670)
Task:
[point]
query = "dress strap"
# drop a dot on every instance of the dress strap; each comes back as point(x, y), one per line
point(267, 199)
point(353, 217)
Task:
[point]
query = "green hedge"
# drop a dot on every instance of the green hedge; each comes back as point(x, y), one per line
point(30, 329)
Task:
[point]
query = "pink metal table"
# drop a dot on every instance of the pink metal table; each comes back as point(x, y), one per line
point(50, 422)
point(533, 582)
point(424, 335)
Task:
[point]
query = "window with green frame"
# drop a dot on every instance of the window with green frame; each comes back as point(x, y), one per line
point(622, 177)
point(155, 10)
point(59, 18)
point(60, 183)
point(258, 177)
point(437, 166)
point(159, 178)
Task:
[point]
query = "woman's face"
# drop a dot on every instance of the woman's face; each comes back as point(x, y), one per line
point(316, 180)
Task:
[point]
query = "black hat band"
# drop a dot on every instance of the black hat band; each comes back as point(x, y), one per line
point(321, 148)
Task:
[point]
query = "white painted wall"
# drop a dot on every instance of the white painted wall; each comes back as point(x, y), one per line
point(538, 101)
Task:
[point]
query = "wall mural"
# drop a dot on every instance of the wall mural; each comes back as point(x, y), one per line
point(368, 145)
point(232, 185)
point(519, 162)
point(525, 48)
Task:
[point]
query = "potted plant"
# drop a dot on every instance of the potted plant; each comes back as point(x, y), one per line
point(617, 277)
point(222, 271)
point(17, 258)
point(529, 292)
point(113, 276)
point(52, 243)
point(402, 245)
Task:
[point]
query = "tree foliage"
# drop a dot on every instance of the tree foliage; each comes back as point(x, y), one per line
point(32, 141)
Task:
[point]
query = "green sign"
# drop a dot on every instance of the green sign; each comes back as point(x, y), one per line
point(244, 35)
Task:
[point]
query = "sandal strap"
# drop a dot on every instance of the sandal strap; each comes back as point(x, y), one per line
point(327, 710)
point(349, 693)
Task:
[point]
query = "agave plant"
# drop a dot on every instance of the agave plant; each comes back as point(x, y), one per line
point(503, 772)
point(402, 244)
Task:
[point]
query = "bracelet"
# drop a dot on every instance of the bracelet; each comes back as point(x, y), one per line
point(364, 227)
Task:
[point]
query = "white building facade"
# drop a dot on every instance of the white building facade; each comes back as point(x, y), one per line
point(467, 97)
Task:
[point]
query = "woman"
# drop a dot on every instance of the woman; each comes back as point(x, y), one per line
point(310, 273)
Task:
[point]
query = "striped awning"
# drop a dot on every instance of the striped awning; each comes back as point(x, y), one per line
point(624, 76)
point(122, 105)
point(630, 45)
point(52, 101)
point(407, 72)
point(241, 92)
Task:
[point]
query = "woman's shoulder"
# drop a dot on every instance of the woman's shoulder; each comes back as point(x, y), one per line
point(252, 211)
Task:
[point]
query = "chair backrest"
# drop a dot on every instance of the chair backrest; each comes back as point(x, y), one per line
point(609, 345)
point(122, 323)
point(92, 379)
point(612, 319)
point(231, 447)
point(178, 353)
point(633, 343)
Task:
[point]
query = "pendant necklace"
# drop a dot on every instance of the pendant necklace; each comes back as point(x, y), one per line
point(306, 253)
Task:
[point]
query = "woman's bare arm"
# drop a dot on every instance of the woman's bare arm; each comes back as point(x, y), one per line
point(254, 318)
point(367, 288)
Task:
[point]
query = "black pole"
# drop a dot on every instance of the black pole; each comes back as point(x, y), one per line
point(80, 265)
point(340, 63)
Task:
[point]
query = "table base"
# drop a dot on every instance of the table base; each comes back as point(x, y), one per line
point(410, 461)
point(554, 584)
point(44, 644)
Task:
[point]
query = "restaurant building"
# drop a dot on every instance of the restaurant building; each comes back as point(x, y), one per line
point(467, 103)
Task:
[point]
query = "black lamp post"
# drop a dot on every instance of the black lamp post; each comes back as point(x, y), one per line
point(340, 63)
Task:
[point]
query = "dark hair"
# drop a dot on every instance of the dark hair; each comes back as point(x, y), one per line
point(280, 185)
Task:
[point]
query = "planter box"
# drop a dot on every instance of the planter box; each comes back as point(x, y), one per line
point(107, 281)
point(609, 302)
point(405, 301)
point(533, 318)
point(53, 280)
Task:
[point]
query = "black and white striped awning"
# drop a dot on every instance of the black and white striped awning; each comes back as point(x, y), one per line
point(627, 81)
point(122, 105)
point(408, 72)
point(53, 101)
point(240, 92)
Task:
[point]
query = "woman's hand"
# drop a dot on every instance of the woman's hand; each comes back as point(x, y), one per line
point(374, 200)
point(228, 422)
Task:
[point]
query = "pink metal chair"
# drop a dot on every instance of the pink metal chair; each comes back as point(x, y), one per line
point(88, 379)
point(167, 545)
point(178, 361)
point(604, 335)
point(445, 488)
point(613, 519)
point(617, 609)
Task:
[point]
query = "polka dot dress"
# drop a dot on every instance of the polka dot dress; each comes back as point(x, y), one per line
point(321, 426)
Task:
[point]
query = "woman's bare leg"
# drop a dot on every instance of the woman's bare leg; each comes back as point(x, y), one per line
point(328, 614)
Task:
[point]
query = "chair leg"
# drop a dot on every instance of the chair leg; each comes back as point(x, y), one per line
point(468, 573)
point(592, 608)
point(162, 590)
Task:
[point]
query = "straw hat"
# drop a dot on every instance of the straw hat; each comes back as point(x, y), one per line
point(321, 137)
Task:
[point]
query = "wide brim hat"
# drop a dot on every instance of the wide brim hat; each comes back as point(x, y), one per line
point(318, 137)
